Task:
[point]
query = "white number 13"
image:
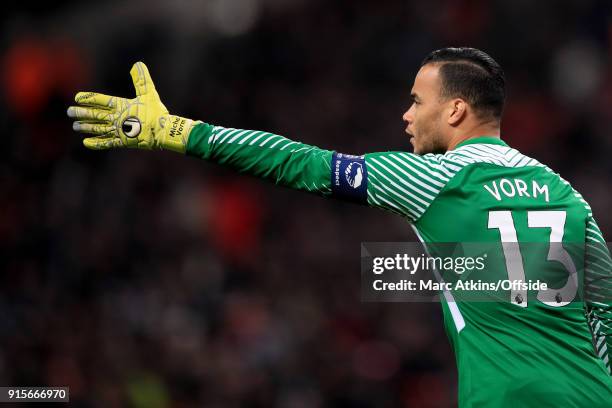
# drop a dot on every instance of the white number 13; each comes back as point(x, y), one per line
point(555, 220)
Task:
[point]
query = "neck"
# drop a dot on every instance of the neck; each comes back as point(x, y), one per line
point(476, 131)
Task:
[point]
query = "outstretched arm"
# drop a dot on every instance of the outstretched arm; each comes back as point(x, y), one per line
point(144, 123)
point(400, 182)
point(263, 154)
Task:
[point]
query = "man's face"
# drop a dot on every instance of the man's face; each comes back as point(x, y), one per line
point(424, 120)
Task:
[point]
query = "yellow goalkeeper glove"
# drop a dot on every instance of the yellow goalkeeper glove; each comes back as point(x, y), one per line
point(142, 122)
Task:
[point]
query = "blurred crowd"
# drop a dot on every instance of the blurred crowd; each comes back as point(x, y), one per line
point(147, 279)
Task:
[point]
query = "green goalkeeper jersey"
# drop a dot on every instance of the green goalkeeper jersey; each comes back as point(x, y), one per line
point(544, 349)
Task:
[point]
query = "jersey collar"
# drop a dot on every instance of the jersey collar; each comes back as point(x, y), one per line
point(482, 140)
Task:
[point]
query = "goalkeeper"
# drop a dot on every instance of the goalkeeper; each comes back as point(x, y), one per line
point(547, 351)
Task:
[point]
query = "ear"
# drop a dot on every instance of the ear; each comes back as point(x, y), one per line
point(456, 111)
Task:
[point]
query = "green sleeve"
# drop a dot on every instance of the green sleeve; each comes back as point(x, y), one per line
point(285, 162)
point(400, 182)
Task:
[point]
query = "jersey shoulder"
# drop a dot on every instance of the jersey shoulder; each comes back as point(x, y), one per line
point(490, 177)
point(510, 172)
point(409, 184)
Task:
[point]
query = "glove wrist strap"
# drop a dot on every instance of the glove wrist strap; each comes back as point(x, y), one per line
point(176, 133)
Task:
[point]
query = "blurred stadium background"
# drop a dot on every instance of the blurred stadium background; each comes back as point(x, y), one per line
point(147, 279)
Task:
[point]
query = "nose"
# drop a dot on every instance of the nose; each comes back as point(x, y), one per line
point(408, 115)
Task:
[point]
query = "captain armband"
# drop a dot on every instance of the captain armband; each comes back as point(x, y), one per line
point(349, 178)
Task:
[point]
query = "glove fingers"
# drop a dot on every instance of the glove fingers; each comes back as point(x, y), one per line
point(96, 99)
point(102, 143)
point(142, 79)
point(93, 128)
point(85, 113)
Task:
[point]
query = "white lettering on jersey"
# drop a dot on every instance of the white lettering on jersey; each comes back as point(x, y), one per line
point(516, 187)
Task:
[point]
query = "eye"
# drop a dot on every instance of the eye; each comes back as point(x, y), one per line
point(131, 127)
